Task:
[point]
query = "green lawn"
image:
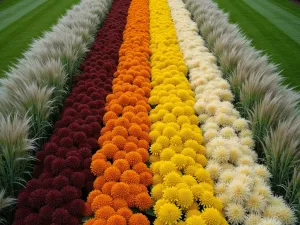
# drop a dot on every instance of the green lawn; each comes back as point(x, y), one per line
point(267, 35)
point(15, 37)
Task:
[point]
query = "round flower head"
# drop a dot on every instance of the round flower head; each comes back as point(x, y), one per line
point(120, 190)
point(235, 213)
point(112, 174)
point(116, 220)
point(163, 141)
point(104, 212)
point(252, 219)
point(170, 194)
point(98, 166)
point(166, 154)
point(171, 179)
point(119, 203)
point(176, 141)
point(101, 200)
point(269, 221)
point(238, 192)
point(157, 192)
point(125, 212)
point(143, 201)
point(179, 160)
point(121, 164)
point(169, 213)
point(195, 220)
point(156, 148)
point(158, 204)
point(130, 177)
point(185, 198)
point(154, 134)
point(211, 216)
point(167, 167)
point(133, 158)
point(189, 180)
point(138, 219)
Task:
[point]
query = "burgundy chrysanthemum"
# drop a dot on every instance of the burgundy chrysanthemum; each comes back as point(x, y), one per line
point(37, 198)
point(61, 152)
point(87, 163)
point(69, 193)
point(33, 184)
point(70, 112)
point(66, 142)
point(32, 219)
point(60, 182)
point(76, 207)
point(67, 173)
point(72, 162)
point(58, 165)
point(80, 137)
point(47, 183)
point(50, 148)
point(45, 213)
point(93, 142)
point(63, 132)
point(48, 161)
point(78, 179)
point(60, 216)
point(21, 213)
point(54, 198)
point(85, 153)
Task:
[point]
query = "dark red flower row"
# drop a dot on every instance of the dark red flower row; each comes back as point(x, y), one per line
point(62, 173)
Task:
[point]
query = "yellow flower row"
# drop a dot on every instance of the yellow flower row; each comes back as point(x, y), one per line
point(182, 189)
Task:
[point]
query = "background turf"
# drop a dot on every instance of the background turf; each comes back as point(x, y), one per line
point(15, 38)
point(266, 36)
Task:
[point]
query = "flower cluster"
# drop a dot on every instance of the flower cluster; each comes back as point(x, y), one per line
point(183, 190)
point(240, 183)
point(62, 173)
point(120, 163)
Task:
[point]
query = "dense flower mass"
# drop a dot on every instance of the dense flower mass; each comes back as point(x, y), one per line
point(183, 190)
point(122, 175)
point(62, 173)
point(241, 184)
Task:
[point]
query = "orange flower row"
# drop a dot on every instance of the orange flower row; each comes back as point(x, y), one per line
point(122, 175)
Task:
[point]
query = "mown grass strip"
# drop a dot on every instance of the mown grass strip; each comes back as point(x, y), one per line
point(16, 37)
point(267, 37)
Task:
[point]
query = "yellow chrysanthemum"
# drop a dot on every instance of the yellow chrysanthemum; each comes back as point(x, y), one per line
point(192, 212)
point(163, 141)
point(166, 154)
point(156, 148)
point(185, 198)
point(158, 204)
point(179, 160)
point(169, 213)
point(189, 180)
point(211, 216)
point(176, 141)
point(195, 220)
point(171, 179)
point(170, 194)
point(169, 131)
point(167, 167)
point(157, 192)
point(189, 152)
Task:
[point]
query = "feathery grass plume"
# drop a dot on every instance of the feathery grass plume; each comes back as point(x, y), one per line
point(15, 152)
point(5, 204)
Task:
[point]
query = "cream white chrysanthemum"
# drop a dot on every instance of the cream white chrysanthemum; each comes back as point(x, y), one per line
point(256, 203)
point(237, 191)
point(235, 213)
point(270, 221)
point(252, 219)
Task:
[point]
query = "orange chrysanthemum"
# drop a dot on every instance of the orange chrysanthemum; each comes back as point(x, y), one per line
point(106, 188)
point(146, 178)
point(133, 158)
point(137, 120)
point(93, 194)
point(112, 174)
point(133, 139)
point(128, 115)
point(130, 200)
point(130, 146)
point(139, 219)
point(119, 141)
point(122, 121)
point(120, 155)
point(98, 155)
point(125, 212)
point(109, 126)
point(124, 100)
point(101, 200)
point(130, 177)
point(120, 190)
point(109, 116)
point(143, 201)
point(140, 168)
point(141, 108)
point(105, 212)
point(134, 189)
point(99, 182)
point(98, 166)
point(145, 136)
point(129, 108)
point(135, 130)
point(119, 203)
point(116, 220)
point(109, 150)
point(143, 144)
point(145, 127)
point(144, 153)
point(120, 130)
point(116, 108)
point(109, 98)
point(87, 209)
point(122, 164)
point(100, 222)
